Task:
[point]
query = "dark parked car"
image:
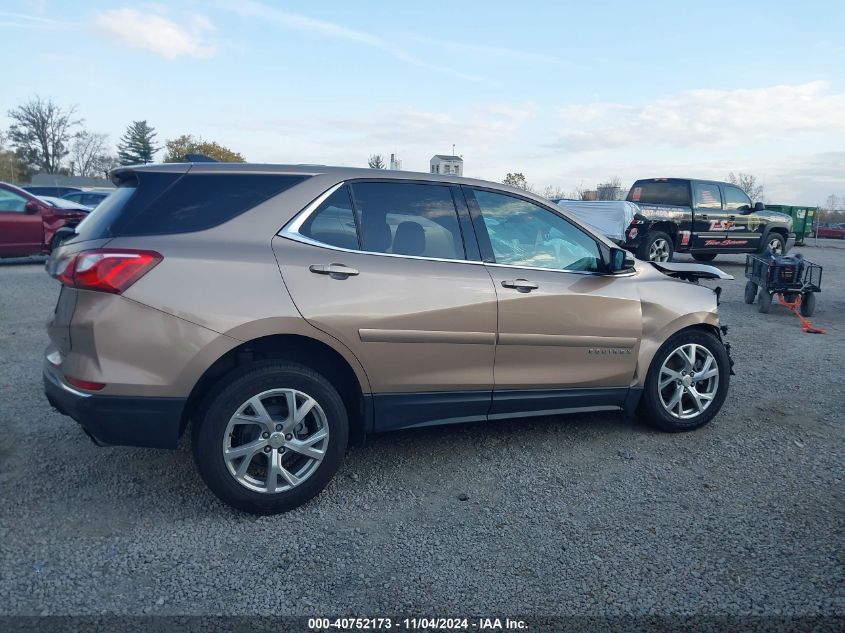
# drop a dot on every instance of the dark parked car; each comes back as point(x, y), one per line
point(702, 218)
point(46, 190)
point(28, 224)
point(89, 198)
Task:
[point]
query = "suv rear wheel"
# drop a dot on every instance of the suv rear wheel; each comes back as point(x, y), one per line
point(687, 382)
point(272, 438)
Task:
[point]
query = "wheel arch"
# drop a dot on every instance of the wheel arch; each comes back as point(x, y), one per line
point(299, 348)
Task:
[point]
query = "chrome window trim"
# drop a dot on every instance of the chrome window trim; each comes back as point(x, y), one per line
point(291, 231)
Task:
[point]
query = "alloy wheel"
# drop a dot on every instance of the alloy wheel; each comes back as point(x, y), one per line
point(776, 246)
point(688, 381)
point(659, 251)
point(275, 440)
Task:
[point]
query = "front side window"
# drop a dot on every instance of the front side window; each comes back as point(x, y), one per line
point(736, 199)
point(408, 219)
point(333, 223)
point(707, 196)
point(525, 234)
point(10, 201)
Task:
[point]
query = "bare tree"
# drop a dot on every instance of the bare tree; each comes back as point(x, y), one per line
point(748, 183)
point(41, 132)
point(376, 161)
point(88, 152)
point(610, 190)
point(552, 192)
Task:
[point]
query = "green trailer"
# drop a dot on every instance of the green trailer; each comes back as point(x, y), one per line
point(802, 219)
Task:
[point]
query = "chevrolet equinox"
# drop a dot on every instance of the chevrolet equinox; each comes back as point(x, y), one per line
point(285, 311)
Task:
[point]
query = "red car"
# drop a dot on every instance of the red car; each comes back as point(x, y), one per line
point(835, 231)
point(28, 223)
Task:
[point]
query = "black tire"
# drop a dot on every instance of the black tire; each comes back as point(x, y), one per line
point(808, 304)
point(774, 237)
point(651, 408)
point(704, 257)
point(210, 426)
point(764, 301)
point(651, 238)
point(750, 292)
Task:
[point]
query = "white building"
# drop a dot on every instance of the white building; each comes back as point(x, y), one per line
point(395, 162)
point(442, 164)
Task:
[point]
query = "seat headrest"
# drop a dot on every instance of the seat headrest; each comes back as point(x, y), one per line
point(409, 239)
point(376, 234)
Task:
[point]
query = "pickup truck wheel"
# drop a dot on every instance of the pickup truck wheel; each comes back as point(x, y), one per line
point(750, 292)
point(271, 437)
point(657, 247)
point(764, 301)
point(775, 243)
point(808, 304)
point(687, 382)
point(704, 257)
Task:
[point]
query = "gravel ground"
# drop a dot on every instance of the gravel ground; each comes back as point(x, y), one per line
point(567, 515)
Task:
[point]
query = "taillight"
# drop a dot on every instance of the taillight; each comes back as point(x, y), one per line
point(105, 270)
point(85, 384)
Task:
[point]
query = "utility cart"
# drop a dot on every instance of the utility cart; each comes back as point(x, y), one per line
point(792, 277)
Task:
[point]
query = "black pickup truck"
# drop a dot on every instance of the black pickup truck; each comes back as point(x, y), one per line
point(702, 218)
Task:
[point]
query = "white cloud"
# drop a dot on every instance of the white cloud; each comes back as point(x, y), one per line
point(157, 33)
point(29, 21)
point(705, 118)
point(332, 30)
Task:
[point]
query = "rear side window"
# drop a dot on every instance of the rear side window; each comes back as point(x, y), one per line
point(334, 222)
point(408, 219)
point(670, 192)
point(156, 203)
point(707, 196)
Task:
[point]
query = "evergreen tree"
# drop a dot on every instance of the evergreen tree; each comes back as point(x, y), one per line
point(136, 145)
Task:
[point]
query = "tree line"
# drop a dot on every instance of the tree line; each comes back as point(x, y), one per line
point(46, 137)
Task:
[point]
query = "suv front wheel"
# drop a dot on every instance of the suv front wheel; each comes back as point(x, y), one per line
point(272, 438)
point(687, 382)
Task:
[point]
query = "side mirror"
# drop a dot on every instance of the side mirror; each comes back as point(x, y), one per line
point(620, 260)
point(759, 206)
point(31, 207)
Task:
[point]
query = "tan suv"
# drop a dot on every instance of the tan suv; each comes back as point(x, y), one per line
point(284, 311)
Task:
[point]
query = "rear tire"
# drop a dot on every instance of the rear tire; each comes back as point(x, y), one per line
point(764, 301)
point(273, 434)
point(657, 247)
point(653, 406)
point(808, 304)
point(750, 292)
point(704, 257)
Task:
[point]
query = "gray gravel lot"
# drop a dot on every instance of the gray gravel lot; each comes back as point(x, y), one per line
point(568, 515)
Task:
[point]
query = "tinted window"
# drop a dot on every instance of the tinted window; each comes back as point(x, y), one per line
point(155, 203)
point(671, 192)
point(525, 234)
point(10, 201)
point(408, 219)
point(735, 199)
point(74, 197)
point(707, 196)
point(333, 222)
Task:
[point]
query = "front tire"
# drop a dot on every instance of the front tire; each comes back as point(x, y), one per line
point(775, 244)
point(808, 304)
point(271, 438)
point(657, 247)
point(687, 382)
point(704, 257)
point(764, 301)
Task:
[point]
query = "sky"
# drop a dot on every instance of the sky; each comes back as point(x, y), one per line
point(568, 93)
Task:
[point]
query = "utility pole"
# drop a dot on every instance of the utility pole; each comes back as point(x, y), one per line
point(453, 149)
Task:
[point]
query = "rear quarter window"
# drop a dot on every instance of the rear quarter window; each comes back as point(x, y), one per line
point(158, 203)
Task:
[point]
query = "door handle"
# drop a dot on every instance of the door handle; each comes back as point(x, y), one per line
point(522, 285)
point(335, 271)
point(703, 216)
point(731, 217)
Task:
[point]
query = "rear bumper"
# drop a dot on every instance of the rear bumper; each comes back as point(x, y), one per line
point(118, 420)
